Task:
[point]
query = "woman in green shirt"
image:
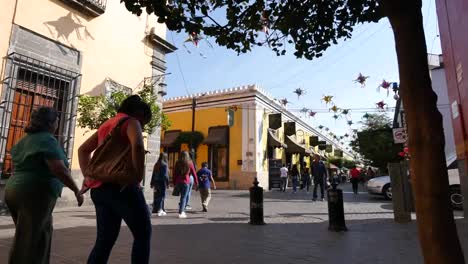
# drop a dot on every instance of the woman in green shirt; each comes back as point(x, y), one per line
point(40, 170)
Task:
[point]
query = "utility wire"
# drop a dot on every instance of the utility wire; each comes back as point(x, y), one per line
point(180, 67)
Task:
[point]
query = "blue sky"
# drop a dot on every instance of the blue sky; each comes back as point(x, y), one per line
point(371, 51)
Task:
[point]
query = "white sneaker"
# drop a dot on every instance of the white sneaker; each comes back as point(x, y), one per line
point(161, 213)
point(182, 215)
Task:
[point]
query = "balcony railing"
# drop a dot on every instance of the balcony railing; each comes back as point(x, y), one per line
point(91, 8)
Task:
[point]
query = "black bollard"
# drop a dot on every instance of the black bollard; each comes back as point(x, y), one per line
point(256, 204)
point(335, 209)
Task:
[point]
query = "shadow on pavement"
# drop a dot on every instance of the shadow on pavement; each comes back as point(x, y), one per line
point(367, 241)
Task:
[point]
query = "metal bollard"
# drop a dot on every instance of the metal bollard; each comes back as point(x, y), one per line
point(335, 209)
point(256, 204)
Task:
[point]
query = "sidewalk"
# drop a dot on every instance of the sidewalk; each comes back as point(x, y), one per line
point(296, 232)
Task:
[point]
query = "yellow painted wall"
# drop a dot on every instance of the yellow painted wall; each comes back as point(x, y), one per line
point(204, 119)
point(6, 17)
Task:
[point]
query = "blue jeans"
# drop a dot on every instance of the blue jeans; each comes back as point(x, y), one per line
point(184, 189)
point(295, 182)
point(112, 205)
point(190, 187)
point(159, 196)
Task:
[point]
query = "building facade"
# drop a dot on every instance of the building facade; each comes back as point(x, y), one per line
point(453, 22)
point(55, 50)
point(246, 135)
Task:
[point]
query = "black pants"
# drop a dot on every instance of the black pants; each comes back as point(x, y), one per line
point(32, 214)
point(355, 183)
point(112, 205)
point(318, 182)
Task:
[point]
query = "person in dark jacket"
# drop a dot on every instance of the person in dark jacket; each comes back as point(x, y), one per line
point(305, 177)
point(159, 183)
point(319, 174)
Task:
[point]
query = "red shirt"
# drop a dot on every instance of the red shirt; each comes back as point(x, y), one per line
point(186, 178)
point(355, 173)
point(103, 131)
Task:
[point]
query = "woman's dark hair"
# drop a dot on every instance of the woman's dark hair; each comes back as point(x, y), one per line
point(294, 170)
point(161, 160)
point(182, 166)
point(134, 106)
point(41, 119)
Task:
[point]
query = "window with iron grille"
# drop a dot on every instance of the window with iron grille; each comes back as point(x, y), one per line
point(92, 8)
point(31, 84)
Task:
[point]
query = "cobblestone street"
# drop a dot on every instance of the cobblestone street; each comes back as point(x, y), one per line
point(296, 232)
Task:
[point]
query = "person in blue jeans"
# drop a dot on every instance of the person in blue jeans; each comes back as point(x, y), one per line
point(192, 181)
point(295, 177)
point(114, 202)
point(181, 178)
point(159, 183)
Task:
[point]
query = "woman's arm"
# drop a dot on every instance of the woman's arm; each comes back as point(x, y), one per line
point(58, 168)
point(194, 173)
point(85, 150)
point(134, 134)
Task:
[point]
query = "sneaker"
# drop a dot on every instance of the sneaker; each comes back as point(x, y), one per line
point(204, 209)
point(322, 199)
point(161, 213)
point(164, 213)
point(188, 207)
point(182, 215)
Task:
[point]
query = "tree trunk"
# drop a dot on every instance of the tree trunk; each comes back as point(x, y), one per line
point(437, 230)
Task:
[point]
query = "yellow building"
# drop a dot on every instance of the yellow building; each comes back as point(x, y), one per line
point(55, 50)
point(247, 134)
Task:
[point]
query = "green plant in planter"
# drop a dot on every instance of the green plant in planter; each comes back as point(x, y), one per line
point(95, 110)
point(185, 137)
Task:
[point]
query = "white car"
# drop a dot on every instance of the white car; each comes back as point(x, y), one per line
point(381, 186)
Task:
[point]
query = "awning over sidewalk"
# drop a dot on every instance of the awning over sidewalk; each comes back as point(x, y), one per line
point(217, 136)
point(296, 148)
point(170, 138)
point(273, 141)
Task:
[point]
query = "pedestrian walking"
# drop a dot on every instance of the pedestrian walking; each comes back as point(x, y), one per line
point(205, 177)
point(40, 170)
point(181, 178)
point(355, 177)
point(305, 177)
point(115, 201)
point(159, 184)
point(284, 177)
point(191, 183)
point(295, 177)
point(319, 174)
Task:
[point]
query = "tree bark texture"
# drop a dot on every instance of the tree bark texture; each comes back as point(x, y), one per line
point(436, 225)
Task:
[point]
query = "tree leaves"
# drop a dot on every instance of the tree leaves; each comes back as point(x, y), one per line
point(312, 26)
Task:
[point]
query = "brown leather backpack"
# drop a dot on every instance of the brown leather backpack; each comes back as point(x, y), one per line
point(112, 160)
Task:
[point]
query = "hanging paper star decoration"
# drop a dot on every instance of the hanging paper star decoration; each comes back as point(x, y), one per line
point(381, 105)
point(284, 101)
point(341, 137)
point(345, 112)
point(326, 129)
point(312, 113)
point(299, 92)
point(320, 127)
point(346, 135)
point(194, 38)
point(327, 99)
point(334, 109)
point(350, 122)
point(366, 115)
point(361, 79)
point(335, 116)
point(385, 85)
point(304, 110)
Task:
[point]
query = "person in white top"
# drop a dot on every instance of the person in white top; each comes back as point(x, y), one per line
point(284, 177)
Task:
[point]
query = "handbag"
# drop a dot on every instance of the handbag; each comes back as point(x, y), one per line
point(176, 191)
point(111, 161)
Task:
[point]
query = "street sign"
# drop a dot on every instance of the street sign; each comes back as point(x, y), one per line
point(399, 135)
